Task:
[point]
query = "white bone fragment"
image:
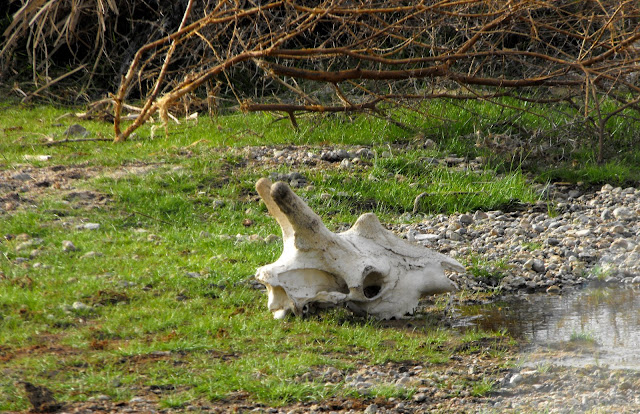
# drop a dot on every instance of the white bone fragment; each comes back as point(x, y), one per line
point(366, 268)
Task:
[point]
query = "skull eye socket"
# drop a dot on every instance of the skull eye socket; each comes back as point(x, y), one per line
point(372, 284)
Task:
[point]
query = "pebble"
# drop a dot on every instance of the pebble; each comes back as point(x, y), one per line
point(537, 251)
point(272, 238)
point(91, 254)
point(68, 246)
point(624, 213)
point(79, 306)
point(76, 130)
point(371, 409)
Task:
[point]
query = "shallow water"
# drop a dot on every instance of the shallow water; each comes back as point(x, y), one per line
point(597, 325)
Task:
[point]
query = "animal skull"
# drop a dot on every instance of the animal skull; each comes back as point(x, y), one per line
point(367, 268)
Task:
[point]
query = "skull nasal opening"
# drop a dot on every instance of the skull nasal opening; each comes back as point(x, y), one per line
point(372, 284)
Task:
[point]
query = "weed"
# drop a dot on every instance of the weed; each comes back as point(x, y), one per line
point(582, 337)
point(491, 272)
point(482, 388)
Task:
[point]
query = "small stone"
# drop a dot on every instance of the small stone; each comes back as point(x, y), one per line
point(553, 290)
point(68, 246)
point(24, 245)
point(465, 219)
point(255, 238)
point(618, 229)
point(22, 177)
point(346, 164)
point(480, 215)
point(583, 233)
point(37, 157)
point(91, 254)
point(623, 213)
point(402, 381)
point(427, 237)
point(452, 235)
point(204, 234)
point(272, 238)
point(101, 397)
point(515, 379)
point(553, 241)
point(76, 130)
point(635, 280)
point(247, 222)
point(420, 397)
point(371, 409)
point(620, 244)
point(606, 214)
point(79, 306)
point(429, 144)
point(91, 226)
point(218, 204)
point(538, 228)
point(606, 188)
point(365, 154)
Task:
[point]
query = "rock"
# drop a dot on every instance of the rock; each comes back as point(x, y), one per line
point(371, 409)
point(419, 397)
point(607, 214)
point(79, 306)
point(624, 213)
point(553, 290)
point(620, 244)
point(452, 235)
point(68, 246)
point(429, 144)
point(480, 215)
point(515, 379)
point(334, 156)
point(346, 164)
point(272, 238)
point(29, 157)
point(91, 226)
point(22, 177)
point(403, 381)
point(465, 219)
point(365, 154)
point(76, 130)
point(100, 397)
point(427, 237)
point(91, 254)
point(24, 245)
point(538, 266)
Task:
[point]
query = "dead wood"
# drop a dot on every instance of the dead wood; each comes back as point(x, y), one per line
point(343, 55)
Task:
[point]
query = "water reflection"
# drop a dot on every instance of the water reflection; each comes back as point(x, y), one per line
point(596, 325)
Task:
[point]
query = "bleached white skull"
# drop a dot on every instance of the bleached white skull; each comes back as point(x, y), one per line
point(367, 268)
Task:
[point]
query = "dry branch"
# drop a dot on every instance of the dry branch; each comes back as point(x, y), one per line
point(345, 55)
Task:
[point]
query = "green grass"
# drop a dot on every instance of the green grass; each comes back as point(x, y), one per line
point(167, 303)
